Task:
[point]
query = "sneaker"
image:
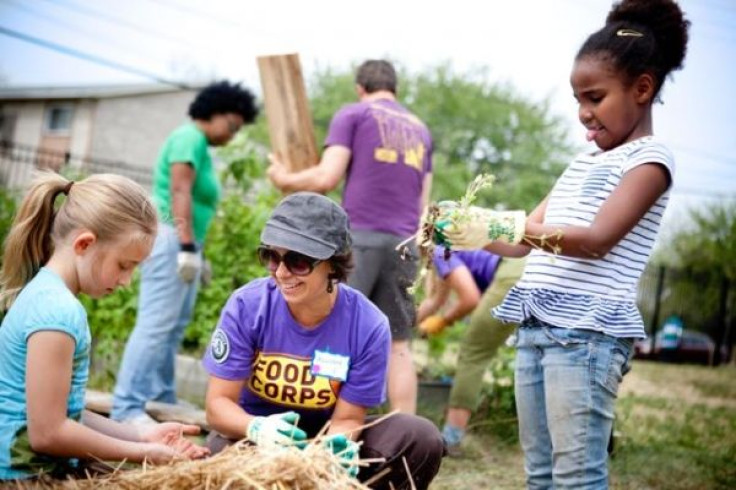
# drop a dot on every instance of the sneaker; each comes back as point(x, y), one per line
point(454, 451)
point(453, 436)
point(140, 419)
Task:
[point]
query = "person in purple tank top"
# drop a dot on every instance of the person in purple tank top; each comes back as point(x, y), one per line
point(384, 152)
point(299, 349)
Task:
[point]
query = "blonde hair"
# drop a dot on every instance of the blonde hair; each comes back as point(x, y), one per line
point(108, 205)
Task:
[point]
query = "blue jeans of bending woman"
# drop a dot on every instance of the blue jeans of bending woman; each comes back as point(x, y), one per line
point(165, 306)
point(566, 386)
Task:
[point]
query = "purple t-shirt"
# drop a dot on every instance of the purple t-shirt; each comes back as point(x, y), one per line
point(482, 264)
point(391, 153)
point(288, 367)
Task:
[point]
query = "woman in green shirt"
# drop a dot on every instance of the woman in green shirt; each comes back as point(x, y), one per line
point(186, 192)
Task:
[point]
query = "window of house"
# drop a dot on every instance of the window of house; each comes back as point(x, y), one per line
point(59, 119)
point(7, 126)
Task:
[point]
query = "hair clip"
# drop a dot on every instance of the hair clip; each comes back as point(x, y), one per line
point(628, 33)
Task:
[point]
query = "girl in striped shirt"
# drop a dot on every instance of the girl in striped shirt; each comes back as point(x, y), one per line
point(576, 301)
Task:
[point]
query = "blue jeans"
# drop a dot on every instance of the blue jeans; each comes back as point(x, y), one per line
point(566, 386)
point(165, 306)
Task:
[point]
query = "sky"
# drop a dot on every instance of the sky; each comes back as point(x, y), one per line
point(528, 43)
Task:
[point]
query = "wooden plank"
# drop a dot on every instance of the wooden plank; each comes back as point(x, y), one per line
point(101, 402)
point(287, 111)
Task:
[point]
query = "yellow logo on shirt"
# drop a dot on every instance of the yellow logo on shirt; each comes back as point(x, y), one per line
point(289, 381)
point(401, 134)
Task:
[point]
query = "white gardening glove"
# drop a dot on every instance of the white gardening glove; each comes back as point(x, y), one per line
point(480, 227)
point(187, 265)
point(279, 429)
point(205, 278)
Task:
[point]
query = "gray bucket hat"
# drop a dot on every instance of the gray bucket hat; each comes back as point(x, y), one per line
point(308, 223)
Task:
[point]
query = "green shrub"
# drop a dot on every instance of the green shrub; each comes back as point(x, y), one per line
point(7, 212)
point(497, 410)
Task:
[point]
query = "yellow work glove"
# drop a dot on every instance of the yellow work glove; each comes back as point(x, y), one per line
point(480, 227)
point(433, 325)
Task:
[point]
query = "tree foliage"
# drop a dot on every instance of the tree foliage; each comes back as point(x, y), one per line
point(707, 245)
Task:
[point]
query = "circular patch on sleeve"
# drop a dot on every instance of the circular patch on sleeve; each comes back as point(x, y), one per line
point(220, 346)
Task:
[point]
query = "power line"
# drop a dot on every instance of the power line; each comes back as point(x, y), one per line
point(56, 21)
point(88, 57)
point(231, 24)
point(686, 191)
point(199, 14)
point(118, 21)
point(705, 154)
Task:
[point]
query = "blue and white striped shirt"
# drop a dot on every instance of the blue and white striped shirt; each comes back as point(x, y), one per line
point(593, 294)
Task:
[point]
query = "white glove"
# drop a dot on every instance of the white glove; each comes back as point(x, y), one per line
point(278, 429)
point(187, 265)
point(205, 278)
point(484, 226)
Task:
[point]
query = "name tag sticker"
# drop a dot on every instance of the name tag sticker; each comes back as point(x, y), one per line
point(334, 366)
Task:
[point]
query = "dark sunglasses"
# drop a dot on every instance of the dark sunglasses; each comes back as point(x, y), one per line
point(296, 263)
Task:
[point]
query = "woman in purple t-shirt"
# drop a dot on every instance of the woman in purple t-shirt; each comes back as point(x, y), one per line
point(298, 349)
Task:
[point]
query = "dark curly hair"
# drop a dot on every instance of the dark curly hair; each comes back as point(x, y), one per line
point(221, 98)
point(375, 75)
point(641, 36)
point(342, 265)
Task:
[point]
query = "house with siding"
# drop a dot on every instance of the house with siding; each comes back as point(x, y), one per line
point(92, 128)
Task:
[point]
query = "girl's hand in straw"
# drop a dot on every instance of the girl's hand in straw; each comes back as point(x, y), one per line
point(171, 434)
point(172, 449)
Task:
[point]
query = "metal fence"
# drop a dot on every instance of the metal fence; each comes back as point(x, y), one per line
point(18, 162)
point(705, 301)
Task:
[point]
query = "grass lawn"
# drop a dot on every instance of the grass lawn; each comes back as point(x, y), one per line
point(675, 428)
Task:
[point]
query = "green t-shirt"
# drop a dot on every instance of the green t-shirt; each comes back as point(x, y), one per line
point(187, 144)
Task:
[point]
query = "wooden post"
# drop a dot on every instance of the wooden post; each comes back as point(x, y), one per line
point(287, 110)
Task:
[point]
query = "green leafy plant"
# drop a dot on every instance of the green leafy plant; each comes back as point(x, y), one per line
point(497, 410)
point(8, 207)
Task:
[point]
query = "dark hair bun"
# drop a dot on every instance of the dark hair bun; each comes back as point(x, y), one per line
point(664, 19)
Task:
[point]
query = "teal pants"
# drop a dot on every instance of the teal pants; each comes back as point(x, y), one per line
point(483, 337)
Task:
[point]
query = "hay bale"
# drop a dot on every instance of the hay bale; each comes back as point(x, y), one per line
point(240, 466)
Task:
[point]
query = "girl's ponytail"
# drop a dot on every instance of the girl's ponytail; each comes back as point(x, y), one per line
point(110, 206)
point(29, 244)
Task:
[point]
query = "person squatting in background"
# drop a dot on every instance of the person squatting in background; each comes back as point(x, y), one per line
point(298, 349)
point(186, 192)
point(88, 244)
point(577, 308)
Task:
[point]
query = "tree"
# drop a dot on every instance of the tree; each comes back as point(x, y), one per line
point(477, 126)
point(707, 245)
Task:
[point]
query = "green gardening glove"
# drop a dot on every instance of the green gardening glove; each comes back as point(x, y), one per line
point(346, 449)
point(279, 429)
point(444, 220)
